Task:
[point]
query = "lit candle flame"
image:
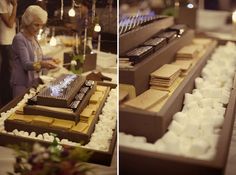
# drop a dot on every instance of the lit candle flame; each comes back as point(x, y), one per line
point(234, 17)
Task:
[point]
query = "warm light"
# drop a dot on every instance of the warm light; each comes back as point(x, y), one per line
point(97, 28)
point(176, 4)
point(234, 17)
point(73, 62)
point(190, 6)
point(71, 12)
point(53, 41)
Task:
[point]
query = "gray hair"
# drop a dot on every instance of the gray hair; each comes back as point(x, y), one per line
point(31, 13)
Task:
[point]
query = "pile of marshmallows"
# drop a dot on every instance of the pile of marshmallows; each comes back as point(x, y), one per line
point(101, 137)
point(194, 132)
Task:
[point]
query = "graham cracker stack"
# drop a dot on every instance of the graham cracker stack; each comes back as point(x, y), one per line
point(171, 88)
point(184, 65)
point(85, 114)
point(42, 120)
point(187, 52)
point(22, 118)
point(63, 124)
point(80, 127)
point(147, 99)
point(165, 76)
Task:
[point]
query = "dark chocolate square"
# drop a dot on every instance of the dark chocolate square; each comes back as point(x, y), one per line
point(75, 104)
point(80, 96)
point(84, 90)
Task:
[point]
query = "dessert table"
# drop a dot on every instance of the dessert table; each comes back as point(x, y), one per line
point(106, 63)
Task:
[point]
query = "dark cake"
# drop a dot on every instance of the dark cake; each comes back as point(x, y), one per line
point(61, 92)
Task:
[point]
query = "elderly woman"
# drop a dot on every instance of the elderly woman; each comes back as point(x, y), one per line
point(28, 59)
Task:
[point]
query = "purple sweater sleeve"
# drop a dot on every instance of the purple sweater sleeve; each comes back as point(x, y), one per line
point(23, 52)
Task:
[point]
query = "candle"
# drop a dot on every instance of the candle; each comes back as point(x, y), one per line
point(76, 43)
point(99, 42)
point(234, 17)
point(234, 22)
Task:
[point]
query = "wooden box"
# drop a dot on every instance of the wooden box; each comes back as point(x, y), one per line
point(98, 157)
point(153, 125)
point(138, 76)
point(134, 161)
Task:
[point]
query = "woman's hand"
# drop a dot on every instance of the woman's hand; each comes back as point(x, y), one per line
point(56, 60)
point(48, 64)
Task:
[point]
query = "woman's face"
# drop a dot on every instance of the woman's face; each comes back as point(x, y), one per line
point(34, 27)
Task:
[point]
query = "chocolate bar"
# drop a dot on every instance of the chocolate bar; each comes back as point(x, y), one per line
point(75, 104)
point(156, 43)
point(80, 96)
point(84, 90)
point(169, 35)
point(138, 54)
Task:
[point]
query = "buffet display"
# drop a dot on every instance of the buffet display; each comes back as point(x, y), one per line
point(80, 112)
point(137, 75)
point(198, 136)
point(166, 128)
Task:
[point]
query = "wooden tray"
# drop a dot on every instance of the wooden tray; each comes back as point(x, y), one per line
point(134, 161)
point(138, 76)
point(10, 125)
point(98, 157)
point(157, 122)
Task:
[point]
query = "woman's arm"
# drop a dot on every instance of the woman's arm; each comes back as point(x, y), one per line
point(23, 53)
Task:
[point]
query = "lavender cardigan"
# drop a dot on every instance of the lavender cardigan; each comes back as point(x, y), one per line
point(23, 73)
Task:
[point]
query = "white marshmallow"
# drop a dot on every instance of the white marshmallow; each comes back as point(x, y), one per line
point(180, 117)
point(176, 127)
point(188, 98)
point(199, 83)
point(199, 147)
point(169, 137)
point(191, 130)
point(184, 143)
point(212, 139)
point(40, 137)
point(160, 146)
